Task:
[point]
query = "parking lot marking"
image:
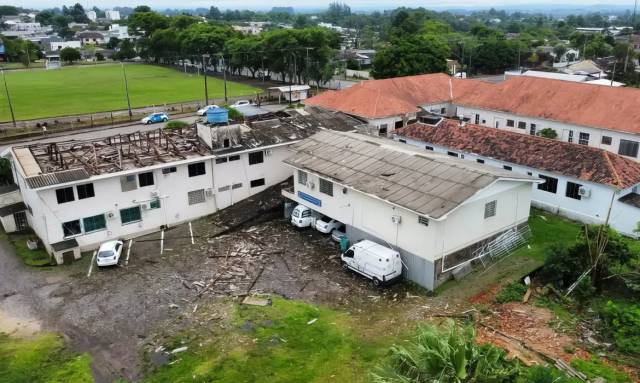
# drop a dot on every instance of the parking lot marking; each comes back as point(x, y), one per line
point(191, 232)
point(93, 260)
point(126, 261)
point(161, 242)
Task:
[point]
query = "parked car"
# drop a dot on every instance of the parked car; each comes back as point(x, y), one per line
point(302, 216)
point(203, 111)
point(109, 253)
point(326, 225)
point(374, 261)
point(338, 233)
point(155, 117)
point(241, 103)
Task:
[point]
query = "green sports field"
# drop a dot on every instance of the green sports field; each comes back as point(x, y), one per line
point(87, 89)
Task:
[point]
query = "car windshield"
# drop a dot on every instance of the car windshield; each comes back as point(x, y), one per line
point(105, 254)
point(326, 219)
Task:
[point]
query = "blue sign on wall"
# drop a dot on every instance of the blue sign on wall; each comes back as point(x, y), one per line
point(309, 198)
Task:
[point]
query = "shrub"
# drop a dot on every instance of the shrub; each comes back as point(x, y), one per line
point(176, 124)
point(624, 324)
point(513, 292)
point(594, 368)
point(233, 113)
point(542, 374)
point(548, 133)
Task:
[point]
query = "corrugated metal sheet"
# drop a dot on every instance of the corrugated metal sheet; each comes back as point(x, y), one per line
point(57, 178)
point(430, 185)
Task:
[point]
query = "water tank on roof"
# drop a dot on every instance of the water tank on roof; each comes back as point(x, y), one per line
point(217, 116)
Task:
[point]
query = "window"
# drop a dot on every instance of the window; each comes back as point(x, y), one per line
point(573, 190)
point(443, 110)
point(484, 122)
point(171, 169)
point(423, 220)
point(64, 195)
point(221, 160)
point(257, 183)
point(128, 183)
point(452, 154)
point(427, 147)
point(236, 186)
point(511, 123)
point(480, 160)
point(256, 158)
point(382, 130)
point(477, 121)
point(71, 228)
point(529, 173)
point(234, 158)
point(628, 148)
point(570, 138)
point(326, 187)
point(507, 167)
point(196, 169)
point(224, 188)
point(145, 179)
point(302, 177)
point(131, 214)
point(532, 129)
point(226, 143)
point(95, 223)
point(583, 138)
point(195, 197)
point(522, 125)
point(154, 204)
point(85, 191)
point(550, 185)
point(402, 141)
point(490, 209)
point(606, 140)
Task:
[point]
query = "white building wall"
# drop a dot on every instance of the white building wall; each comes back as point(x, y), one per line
point(593, 209)
point(498, 119)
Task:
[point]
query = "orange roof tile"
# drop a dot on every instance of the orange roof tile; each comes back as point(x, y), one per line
point(578, 161)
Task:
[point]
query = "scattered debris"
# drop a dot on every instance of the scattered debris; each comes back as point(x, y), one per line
point(256, 301)
point(312, 321)
point(180, 349)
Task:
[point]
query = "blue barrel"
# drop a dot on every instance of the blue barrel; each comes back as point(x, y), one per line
point(344, 243)
point(217, 116)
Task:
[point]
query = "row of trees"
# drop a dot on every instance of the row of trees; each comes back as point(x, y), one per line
point(297, 54)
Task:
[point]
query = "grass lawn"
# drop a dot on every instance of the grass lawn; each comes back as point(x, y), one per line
point(38, 257)
point(289, 341)
point(41, 359)
point(86, 89)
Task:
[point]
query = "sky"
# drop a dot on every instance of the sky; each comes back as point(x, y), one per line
point(261, 4)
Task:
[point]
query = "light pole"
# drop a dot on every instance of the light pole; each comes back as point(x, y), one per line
point(224, 77)
point(206, 87)
point(6, 88)
point(126, 89)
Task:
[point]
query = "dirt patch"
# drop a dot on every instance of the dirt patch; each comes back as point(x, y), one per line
point(487, 295)
point(520, 328)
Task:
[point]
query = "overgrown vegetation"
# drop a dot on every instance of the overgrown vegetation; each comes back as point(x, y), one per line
point(176, 124)
point(623, 323)
point(548, 133)
point(595, 368)
point(513, 292)
point(43, 359)
point(37, 257)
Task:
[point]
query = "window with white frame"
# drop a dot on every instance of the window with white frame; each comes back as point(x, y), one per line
point(583, 138)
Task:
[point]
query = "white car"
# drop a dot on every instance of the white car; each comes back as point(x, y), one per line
point(241, 103)
point(109, 253)
point(203, 111)
point(338, 233)
point(302, 216)
point(326, 225)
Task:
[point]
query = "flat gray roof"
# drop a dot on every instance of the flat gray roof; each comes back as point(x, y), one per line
point(429, 184)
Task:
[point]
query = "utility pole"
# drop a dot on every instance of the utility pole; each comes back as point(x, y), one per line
point(6, 88)
point(206, 87)
point(224, 76)
point(126, 89)
point(306, 68)
point(633, 24)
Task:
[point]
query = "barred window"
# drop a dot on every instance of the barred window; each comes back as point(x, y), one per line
point(423, 220)
point(302, 177)
point(326, 187)
point(196, 196)
point(490, 209)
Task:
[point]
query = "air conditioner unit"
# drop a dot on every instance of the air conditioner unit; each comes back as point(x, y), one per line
point(584, 192)
point(155, 194)
point(209, 192)
point(268, 152)
point(396, 219)
point(111, 215)
point(145, 206)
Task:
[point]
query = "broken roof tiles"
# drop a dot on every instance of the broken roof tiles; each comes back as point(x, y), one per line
point(439, 183)
point(577, 161)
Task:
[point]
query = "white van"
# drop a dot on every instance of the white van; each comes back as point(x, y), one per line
point(376, 262)
point(302, 216)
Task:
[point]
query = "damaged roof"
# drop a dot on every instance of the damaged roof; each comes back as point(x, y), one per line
point(428, 184)
point(612, 108)
point(577, 161)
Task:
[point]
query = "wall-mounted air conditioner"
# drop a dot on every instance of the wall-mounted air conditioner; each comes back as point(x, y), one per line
point(584, 192)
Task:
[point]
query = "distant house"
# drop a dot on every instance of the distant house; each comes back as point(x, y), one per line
point(56, 46)
point(292, 93)
point(112, 15)
point(91, 38)
point(91, 15)
point(585, 67)
point(119, 31)
point(581, 182)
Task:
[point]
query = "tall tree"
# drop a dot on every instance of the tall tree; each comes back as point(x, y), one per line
point(70, 55)
point(411, 56)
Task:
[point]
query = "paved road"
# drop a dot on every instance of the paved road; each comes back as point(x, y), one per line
point(89, 134)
